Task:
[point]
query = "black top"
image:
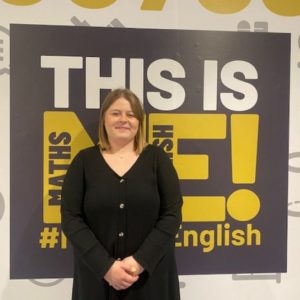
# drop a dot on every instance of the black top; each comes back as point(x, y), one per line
point(108, 217)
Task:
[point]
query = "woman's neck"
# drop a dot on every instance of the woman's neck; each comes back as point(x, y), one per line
point(121, 148)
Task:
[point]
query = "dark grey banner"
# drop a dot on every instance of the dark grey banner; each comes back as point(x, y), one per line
point(217, 102)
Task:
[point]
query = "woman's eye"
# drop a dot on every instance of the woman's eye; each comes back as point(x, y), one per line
point(131, 115)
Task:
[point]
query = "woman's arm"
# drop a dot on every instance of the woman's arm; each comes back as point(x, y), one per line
point(162, 236)
point(83, 240)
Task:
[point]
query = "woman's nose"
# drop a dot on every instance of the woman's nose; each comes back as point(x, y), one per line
point(123, 117)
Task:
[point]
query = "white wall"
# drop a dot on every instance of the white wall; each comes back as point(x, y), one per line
point(189, 14)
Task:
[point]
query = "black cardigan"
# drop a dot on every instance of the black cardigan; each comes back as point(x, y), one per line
point(108, 217)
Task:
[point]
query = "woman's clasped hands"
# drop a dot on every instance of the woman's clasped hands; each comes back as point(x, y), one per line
point(123, 273)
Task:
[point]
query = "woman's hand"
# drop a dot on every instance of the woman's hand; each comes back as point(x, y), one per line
point(132, 266)
point(119, 276)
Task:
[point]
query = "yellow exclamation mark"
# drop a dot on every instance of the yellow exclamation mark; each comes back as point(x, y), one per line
point(244, 140)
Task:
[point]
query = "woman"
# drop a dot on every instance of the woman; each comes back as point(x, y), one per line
point(121, 209)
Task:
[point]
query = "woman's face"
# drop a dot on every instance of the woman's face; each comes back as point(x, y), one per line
point(120, 122)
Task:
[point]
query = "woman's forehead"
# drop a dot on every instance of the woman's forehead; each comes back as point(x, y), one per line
point(121, 103)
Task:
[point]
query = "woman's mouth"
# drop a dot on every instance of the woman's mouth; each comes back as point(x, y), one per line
point(122, 128)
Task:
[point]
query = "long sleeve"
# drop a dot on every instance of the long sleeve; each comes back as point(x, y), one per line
point(162, 236)
point(83, 240)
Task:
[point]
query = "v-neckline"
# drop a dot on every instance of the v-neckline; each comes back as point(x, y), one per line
point(128, 171)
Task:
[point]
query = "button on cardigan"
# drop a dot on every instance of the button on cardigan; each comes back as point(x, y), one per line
point(107, 217)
